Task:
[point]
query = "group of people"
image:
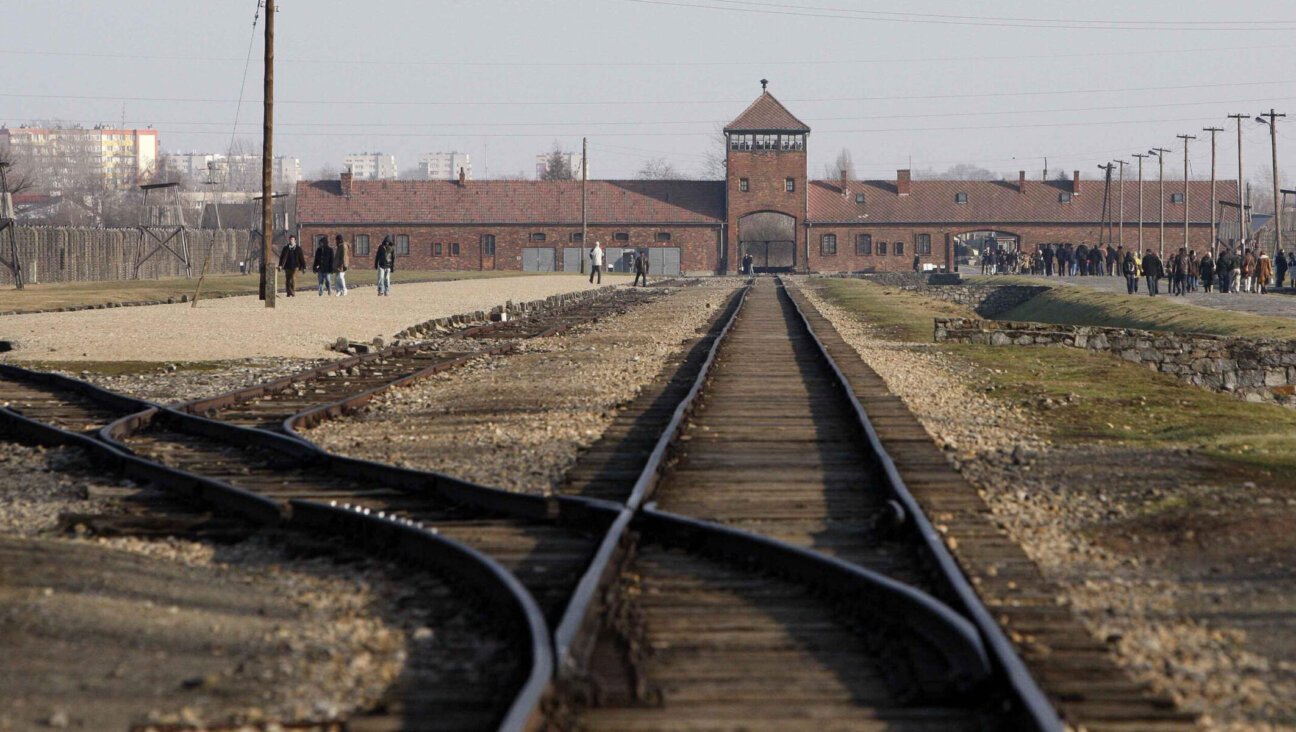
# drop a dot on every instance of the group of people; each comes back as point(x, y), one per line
point(596, 256)
point(330, 265)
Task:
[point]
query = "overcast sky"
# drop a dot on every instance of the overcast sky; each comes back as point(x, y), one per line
point(898, 83)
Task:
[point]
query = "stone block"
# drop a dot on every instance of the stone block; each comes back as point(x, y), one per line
point(1275, 377)
point(999, 339)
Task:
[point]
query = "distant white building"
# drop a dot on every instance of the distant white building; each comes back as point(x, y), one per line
point(241, 172)
point(445, 166)
point(571, 160)
point(370, 166)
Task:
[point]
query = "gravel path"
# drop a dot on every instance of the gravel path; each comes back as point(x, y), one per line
point(1053, 499)
point(241, 327)
point(103, 633)
point(518, 421)
point(1280, 304)
point(171, 384)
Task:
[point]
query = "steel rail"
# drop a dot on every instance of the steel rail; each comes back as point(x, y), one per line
point(1039, 711)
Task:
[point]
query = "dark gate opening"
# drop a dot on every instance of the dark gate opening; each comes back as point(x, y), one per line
point(771, 256)
point(770, 238)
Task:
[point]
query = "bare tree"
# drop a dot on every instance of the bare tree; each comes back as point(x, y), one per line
point(843, 162)
point(410, 174)
point(716, 164)
point(557, 167)
point(962, 171)
point(327, 171)
point(18, 173)
point(657, 169)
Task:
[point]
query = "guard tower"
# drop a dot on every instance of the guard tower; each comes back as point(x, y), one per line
point(7, 223)
point(279, 217)
point(765, 185)
point(162, 226)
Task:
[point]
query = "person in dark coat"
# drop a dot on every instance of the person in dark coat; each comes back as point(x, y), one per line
point(1048, 260)
point(917, 266)
point(385, 263)
point(1206, 271)
point(322, 265)
point(1152, 272)
point(1280, 268)
point(1224, 268)
point(1081, 260)
point(1130, 269)
point(641, 268)
point(1179, 273)
point(341, 262)
point(1113, 260)
point(292, 261)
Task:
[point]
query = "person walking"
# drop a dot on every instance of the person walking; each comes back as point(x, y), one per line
point(1152, 272)
point(385, 263)
point(1130, 269)
point(1048, 260)
point(1206, 271)
point(748, 262)
point(1264, 271)
point(340, 264)
point(596, 262)
point(1192, 271)
point(917, 265)
point(292, 260)
point(1224, 269)
point(1235, 272)
point(1248, 271)
point(641, 268)
point(322, 266)
point(1280, 268)
point(1179, 273)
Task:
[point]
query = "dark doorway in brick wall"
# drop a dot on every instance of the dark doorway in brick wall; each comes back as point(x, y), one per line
point(770, 238)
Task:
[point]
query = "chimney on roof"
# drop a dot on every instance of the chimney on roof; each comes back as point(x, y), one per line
point(843, 183)
point(462, 176)
point(903, 187)
point(1075, 184)
point(346, 183)
point(1021, 182)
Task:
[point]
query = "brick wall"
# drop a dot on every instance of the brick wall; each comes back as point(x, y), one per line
point(1255, 369)
point(699, 245)
point(766, 172)
point(66, 254)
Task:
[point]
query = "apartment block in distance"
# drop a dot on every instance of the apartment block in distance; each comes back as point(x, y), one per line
point(445, 166)
point(244, 170)
point(71, 156)
point(370, 166)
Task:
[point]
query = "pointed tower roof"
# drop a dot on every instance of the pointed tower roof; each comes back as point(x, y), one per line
point(766, 114)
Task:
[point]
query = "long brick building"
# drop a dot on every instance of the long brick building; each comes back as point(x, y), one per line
point(766, 206)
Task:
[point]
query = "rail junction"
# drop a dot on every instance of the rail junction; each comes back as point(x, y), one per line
point(751, 544)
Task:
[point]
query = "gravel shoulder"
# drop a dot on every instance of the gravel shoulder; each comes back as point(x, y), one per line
point(241, 327)
point(1157, 550)
point(103, 633)
point(518, 421)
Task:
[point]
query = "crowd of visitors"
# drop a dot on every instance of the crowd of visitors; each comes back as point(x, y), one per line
point(1240, 269)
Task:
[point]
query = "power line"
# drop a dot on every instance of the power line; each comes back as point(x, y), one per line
point(857, 15)
point(247, 64)
point(586, 102)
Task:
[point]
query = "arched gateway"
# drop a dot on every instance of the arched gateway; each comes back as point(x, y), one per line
point(770, 237)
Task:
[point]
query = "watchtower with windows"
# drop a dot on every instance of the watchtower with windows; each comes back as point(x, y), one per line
point(765, 187)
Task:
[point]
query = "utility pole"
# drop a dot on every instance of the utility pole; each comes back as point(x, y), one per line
point(1214, 198)
point(1160, 153)
point(1273, 138)
point(1106, 221)
point(1242, 228)
point(1140, 157)
point(1120, 228)
point(267, 167)
point(7, 223)
point(584, 202)
point(1186, 138)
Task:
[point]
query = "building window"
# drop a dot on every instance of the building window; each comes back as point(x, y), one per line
point(454, 249)
point(1176, 198)
point(863, 244)
point(488, 244)
point(1064, 198)
point(828, 245)
point(960, 198)
point(924, 244)
point(576, 238)
point(402, 244)
point(436, 249)
point(663, 236)
point(859, 198)
point(882, 248)
point(743, 185)
point(621, 236)
point(537, 236)
point(789, 185)
point(899, 248)
point(361, 244)
point(740, 142)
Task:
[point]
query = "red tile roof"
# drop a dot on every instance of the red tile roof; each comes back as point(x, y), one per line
point(932, 201)
point(766, 114)
point(511, 202)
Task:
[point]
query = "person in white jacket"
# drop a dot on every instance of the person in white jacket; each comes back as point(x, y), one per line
point(596, 262)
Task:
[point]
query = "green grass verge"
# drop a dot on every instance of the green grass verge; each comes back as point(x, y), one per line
point(74, 294)
point(1077, 305)
point(1095, 398)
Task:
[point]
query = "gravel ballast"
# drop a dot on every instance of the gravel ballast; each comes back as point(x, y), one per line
point(242, 327)
point(1053, 499)
point(518, 421)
